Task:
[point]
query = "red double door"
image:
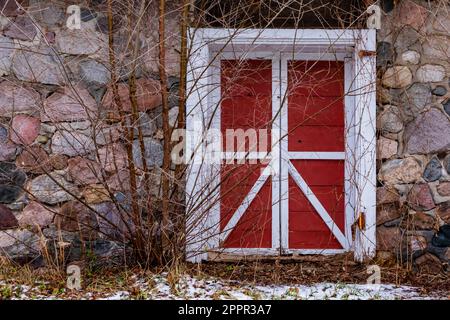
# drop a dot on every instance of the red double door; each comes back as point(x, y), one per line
point(289, 196)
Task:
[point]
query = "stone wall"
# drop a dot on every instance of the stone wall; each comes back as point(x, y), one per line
point(60, 139)
point(414, 132)
point(60, 136)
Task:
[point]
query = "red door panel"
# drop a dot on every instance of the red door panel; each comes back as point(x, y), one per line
point(316, 124)
point(246, 103)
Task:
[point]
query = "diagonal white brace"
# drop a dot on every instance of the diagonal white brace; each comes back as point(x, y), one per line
point(317, 205)
point(237, 215)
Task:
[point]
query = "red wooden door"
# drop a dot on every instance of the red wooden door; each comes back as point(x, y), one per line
point(316, 201)
point(246, 202)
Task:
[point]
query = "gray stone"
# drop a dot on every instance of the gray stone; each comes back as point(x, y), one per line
point(80, 42)
point(22, 28)
point(12, 180)
point(446, 106)
point(147, 125)
point(16, 98)
point(400, 171)
point(416, 98)
point(19, 245)
point(94, 73)
point(433, 170)
point(385, 54)
point(6, 53)
point(47, 14)
point(72, 143)
point(428, 133)
point(410, 57)
point(153, 152)
point(430, 73)
point(8, 149)
point(38, 65)
point(52, 189)
point(390, 119)
point(113, 223)
point(447, 163)
point(87, 14)
point(439, 91)
point(407, 38)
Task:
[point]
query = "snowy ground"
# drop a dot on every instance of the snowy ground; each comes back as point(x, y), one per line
point(157, 287)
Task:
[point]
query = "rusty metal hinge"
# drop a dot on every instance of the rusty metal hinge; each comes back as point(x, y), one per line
point(366, 53)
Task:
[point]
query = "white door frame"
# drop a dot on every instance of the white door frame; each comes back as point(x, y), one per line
point(203, 208)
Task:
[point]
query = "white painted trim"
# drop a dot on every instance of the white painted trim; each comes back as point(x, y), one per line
point(297, 155)
point(246, 155)
point(275, 252)
point(309, 194)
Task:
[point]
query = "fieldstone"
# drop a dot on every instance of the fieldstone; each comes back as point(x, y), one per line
point(422, 221)
point(443, 211)
point(19, 245)
point(412, 14)
point(12, 180)
point(72, 144)
point(153, 153)
point(95, 194)
point(15, 98)
point(6, 53)
point(148, 94)
point(105, 134)
point(87, 14)
point(446, 106)
point(38, 65)
point(113, 157)
point(417, 243)
point(145, 124)
point(173, 116)
point(387, 213)
point(437, 48)
point(24, 129)
point(74, 216)
point(444, 189)
point(390, 120)
point(428, 264)
point(23, 28)
point(94, 73)
point(69, 105)
point(447, 163)
point(83, 171)
point(428, 133)
point(7, 218)
point(385, 54)
point(410, 57)
point(58, 161)
point(441, 22)
point(433, 170)
point(387, 195)
point(430, 73)
point(12, 8)
point(34, 159)
point(387, 148)
point(48, 14)
point(407, 39)
point(8, 149)
point(417, 97)
point(80, 42)
point(114, 223)
point(400, 171)
point(36, 215)
point(120, 181)
point(388, 239)
point(52, 189)
point(420, 197)
point(439, 91)
point(397, 77)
